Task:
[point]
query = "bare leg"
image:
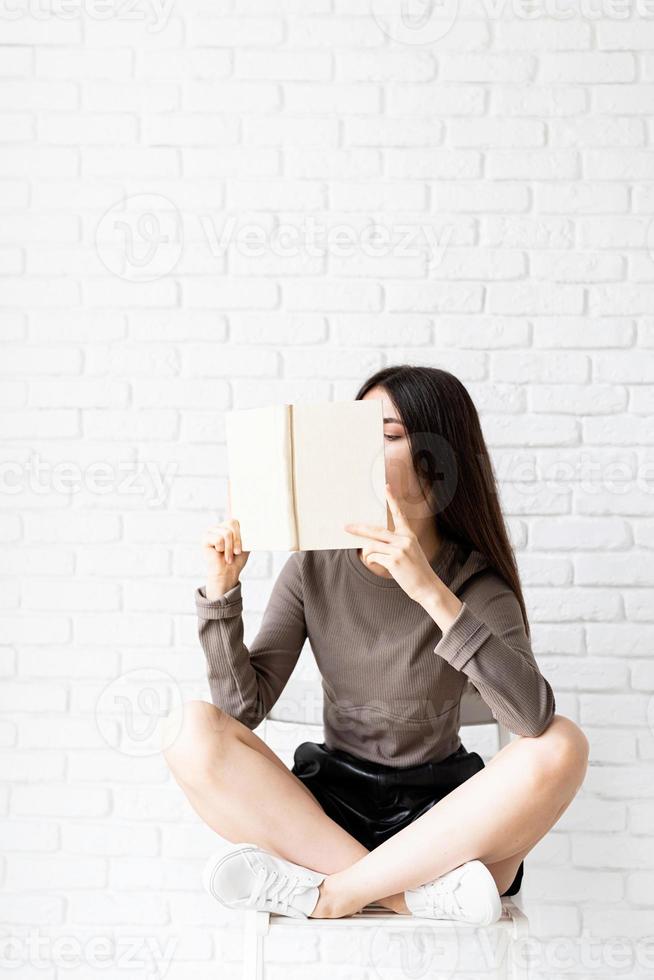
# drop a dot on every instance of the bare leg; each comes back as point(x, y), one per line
point(244, 792)
point(495, 815)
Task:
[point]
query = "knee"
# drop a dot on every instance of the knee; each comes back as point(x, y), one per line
point(562, 750)
point(193, 737)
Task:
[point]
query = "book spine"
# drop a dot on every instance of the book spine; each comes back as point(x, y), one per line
point(295, 546)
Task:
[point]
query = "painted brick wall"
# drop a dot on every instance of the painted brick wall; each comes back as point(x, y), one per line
point(207, 205)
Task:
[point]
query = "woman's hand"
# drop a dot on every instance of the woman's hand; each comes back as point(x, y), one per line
point(400, 552)
point(225, 556)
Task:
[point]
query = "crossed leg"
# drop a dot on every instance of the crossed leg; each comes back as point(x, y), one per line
point(496, 816)
point(244, 792)
point(241, 789)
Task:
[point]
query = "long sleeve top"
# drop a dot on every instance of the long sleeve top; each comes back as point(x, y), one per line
point(392, 680)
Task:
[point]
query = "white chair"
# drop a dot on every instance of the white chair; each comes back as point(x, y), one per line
point(283, 732)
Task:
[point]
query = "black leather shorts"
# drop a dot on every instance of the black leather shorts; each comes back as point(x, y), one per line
point(373, 801)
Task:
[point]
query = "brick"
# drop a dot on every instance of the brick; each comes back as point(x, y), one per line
point(16, 62)
point(485, 196)
point(233, 32)
point(94, 128)
point(283, 65)
point(50, 161)
point(488, 67)
point(536, 299)
point(392, 66)
point(544, 164)
point(109, 839)
point(60, 800)
point(37, 835)
point(587, 67)
point(66, 63)
point(551, 101)
point(433, 99)
point(582, 198)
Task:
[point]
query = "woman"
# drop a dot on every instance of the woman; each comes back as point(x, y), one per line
point(390, 809)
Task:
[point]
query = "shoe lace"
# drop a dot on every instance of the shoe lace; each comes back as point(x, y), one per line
point(441, 899)
point(274, 886)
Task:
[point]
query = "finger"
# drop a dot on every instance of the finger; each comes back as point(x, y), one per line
point(229, 545)
point(378, 557)
point(236, 531)
point(217, 529)
point(217, 540)
point(370, 531)
point(398, 517)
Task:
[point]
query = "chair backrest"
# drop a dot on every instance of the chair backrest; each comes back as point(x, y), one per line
point(474, 710)
point(301, 701)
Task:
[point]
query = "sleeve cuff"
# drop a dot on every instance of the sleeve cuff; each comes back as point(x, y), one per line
point(462, 638)
point(229, 604)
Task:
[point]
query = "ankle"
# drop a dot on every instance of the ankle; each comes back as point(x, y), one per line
point(402, 908)
point(326, 906)
point(396, 903)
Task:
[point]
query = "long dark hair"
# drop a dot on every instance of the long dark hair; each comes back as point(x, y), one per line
point(450, 455)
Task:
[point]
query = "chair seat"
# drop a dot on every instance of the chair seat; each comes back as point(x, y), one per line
point(512, 918)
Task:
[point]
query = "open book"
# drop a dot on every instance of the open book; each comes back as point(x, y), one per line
point(298, 473)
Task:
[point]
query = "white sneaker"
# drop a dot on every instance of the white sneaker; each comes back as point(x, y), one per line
point(467, 894)
point(244, 876)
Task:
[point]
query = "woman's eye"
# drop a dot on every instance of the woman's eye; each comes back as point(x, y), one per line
point(391, 438)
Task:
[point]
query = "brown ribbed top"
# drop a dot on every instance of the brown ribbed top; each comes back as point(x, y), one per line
point(392, 681)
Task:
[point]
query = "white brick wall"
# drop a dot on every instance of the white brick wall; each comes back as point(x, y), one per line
point(509, 162)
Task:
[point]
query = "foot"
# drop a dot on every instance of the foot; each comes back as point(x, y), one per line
point(244, 876)
point(466, 894)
